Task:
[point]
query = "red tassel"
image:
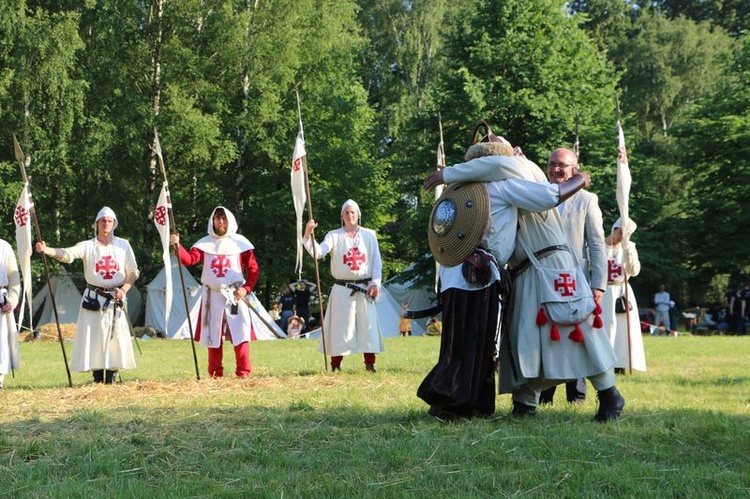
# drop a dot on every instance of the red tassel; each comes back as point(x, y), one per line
point(576, 334)
point(598, 309)
point(598, 323)
point(541, 319)
point(554, 333)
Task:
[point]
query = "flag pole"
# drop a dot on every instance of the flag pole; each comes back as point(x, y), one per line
point(312, 237)
point(622, 204)
point(439, 189)
point(157, 153)
point(23, 161)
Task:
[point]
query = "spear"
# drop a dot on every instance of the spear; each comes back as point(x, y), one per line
point(157, 153)
point(303, 158)
point(23, 162)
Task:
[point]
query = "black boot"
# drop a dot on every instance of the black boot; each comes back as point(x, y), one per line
point(370, 368)
point(610, 405)
point(98, 375)
point(521, 410)
point(109, 376)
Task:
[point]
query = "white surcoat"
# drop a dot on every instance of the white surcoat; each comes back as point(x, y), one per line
point(616, 325)
point(351, 322)
point(10, 283)
point(103, 338)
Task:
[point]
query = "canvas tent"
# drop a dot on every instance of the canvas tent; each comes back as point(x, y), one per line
point(178, 327)
point(406, 287)
point(156, 296)
point(67, 299)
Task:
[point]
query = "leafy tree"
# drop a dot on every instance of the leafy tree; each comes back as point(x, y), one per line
point(718, 135)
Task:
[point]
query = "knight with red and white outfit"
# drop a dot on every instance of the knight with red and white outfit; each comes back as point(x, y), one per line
point(230, 273)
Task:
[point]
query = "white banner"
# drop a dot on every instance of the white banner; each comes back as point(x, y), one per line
point(299, 193)
point(22, 218)
point(624, 180)
point(161, 220)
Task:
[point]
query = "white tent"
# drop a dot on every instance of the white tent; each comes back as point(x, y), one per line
point(67, 299)
point(156, 296)
point(178, 327)
point(264, 326)
point(413, 289)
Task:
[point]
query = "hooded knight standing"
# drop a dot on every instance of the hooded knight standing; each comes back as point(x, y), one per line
point(230, 273)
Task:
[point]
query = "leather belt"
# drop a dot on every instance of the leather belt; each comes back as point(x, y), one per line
point(539, 254)
point(344, 282)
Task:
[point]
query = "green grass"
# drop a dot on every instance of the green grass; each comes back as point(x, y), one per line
point(293, 430)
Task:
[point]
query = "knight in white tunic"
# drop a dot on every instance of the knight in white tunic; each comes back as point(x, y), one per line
point(10, 289)
point(351, 322)
point(623, 328)
point(103, 341)
point(230, 272)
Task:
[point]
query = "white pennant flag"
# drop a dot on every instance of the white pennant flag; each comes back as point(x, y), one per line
point(22, 218)
point(298, 190)
point(161, 220)
point(624, 180)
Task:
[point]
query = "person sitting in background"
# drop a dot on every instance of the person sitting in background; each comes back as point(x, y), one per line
point(296, 325)
point(404, 324)
point(434, 327)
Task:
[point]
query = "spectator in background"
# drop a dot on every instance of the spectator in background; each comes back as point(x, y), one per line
point(302, 291)
point(744, 297)
point(661, 302)
point(286, 303)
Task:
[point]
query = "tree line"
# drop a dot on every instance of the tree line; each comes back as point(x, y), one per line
point(84, 83)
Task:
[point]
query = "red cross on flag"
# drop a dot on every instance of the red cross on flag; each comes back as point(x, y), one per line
point(161, 220)
point(22, 218)
point(298, 189)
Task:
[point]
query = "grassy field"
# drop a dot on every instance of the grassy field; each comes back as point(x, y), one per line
point(293, 430)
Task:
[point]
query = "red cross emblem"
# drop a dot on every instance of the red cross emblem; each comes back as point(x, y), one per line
point(297, 164)
point(565, 285)
point(354, 258)
point(614, 271)
point(160, 215)
point(21, 216)
point(220, 265)
point(107, 267)
point(622, 155)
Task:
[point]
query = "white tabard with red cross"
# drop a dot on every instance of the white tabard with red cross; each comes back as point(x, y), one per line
point(219, 276)
point(351, 321)
point(98, 343)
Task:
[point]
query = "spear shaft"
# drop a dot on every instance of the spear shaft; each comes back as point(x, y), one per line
point(22, 162)
point(176, 249)
point(314, 248)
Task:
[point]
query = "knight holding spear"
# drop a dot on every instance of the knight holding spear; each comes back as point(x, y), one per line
point(103, 342)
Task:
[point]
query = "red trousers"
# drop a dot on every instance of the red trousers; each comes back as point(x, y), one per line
point(241, 355)
point(336, 359)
